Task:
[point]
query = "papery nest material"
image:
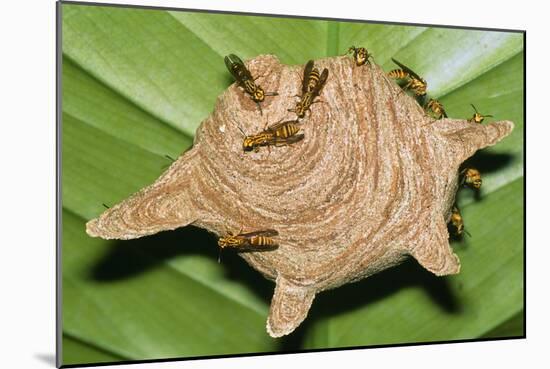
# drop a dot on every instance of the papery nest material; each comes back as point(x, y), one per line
point(373, 181)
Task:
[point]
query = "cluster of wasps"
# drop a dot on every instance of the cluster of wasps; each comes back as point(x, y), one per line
point(285, 133)
point(282, 133)
point(469, 177)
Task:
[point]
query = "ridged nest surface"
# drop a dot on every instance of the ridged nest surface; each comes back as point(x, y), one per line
point(373, 181)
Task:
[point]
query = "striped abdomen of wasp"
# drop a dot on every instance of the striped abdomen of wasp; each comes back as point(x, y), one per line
point(284, 129)
point(436, 108)
point(312, 77)
point(278, 134)
point(477, 117)
point(312, 84)
point(415, 83)
point(457, 222)
point(249, 241)
point(244, 78)
point(360, 55)
point(471, 178)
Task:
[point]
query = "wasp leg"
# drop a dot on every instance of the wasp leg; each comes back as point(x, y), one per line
point(405, 88)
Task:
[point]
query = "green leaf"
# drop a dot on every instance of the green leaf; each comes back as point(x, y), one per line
point(515, 326)
point(78, 352)
point(137, 83)
point(82, 94)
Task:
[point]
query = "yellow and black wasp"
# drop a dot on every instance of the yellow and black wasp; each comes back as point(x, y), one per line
point(253, 241)
point(415, 83)
point(360, 55)
point(437, 109)
point(278, 134)
point(457, 222)
point(477, 117)
point(244, 78)
point(471, 178)
point(312, 84)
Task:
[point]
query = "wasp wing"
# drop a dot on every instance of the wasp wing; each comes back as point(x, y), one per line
point(274, 127)
point(237, 68)
point(231, 61)
point(407, 69)
point(279, 141)
point(321, 82)
point(265, 233)
point(307, 71)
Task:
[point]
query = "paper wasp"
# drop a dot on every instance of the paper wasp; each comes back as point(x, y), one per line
point(253, 241)
point(471, 178)
point(360, 55)
point(436, 108)
point(477, 117)
point(244, 78)
point(312, 84)
point(415, 83)
point(278, 134)
point(458, 222)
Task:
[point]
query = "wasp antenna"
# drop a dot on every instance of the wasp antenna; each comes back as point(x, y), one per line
point(240, 129)
point(488, 116)
point(169, 157)
point(474, 107)
point(107, 207)
point(467, 233)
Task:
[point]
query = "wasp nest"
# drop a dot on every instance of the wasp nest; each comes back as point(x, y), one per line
point(373, 181)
